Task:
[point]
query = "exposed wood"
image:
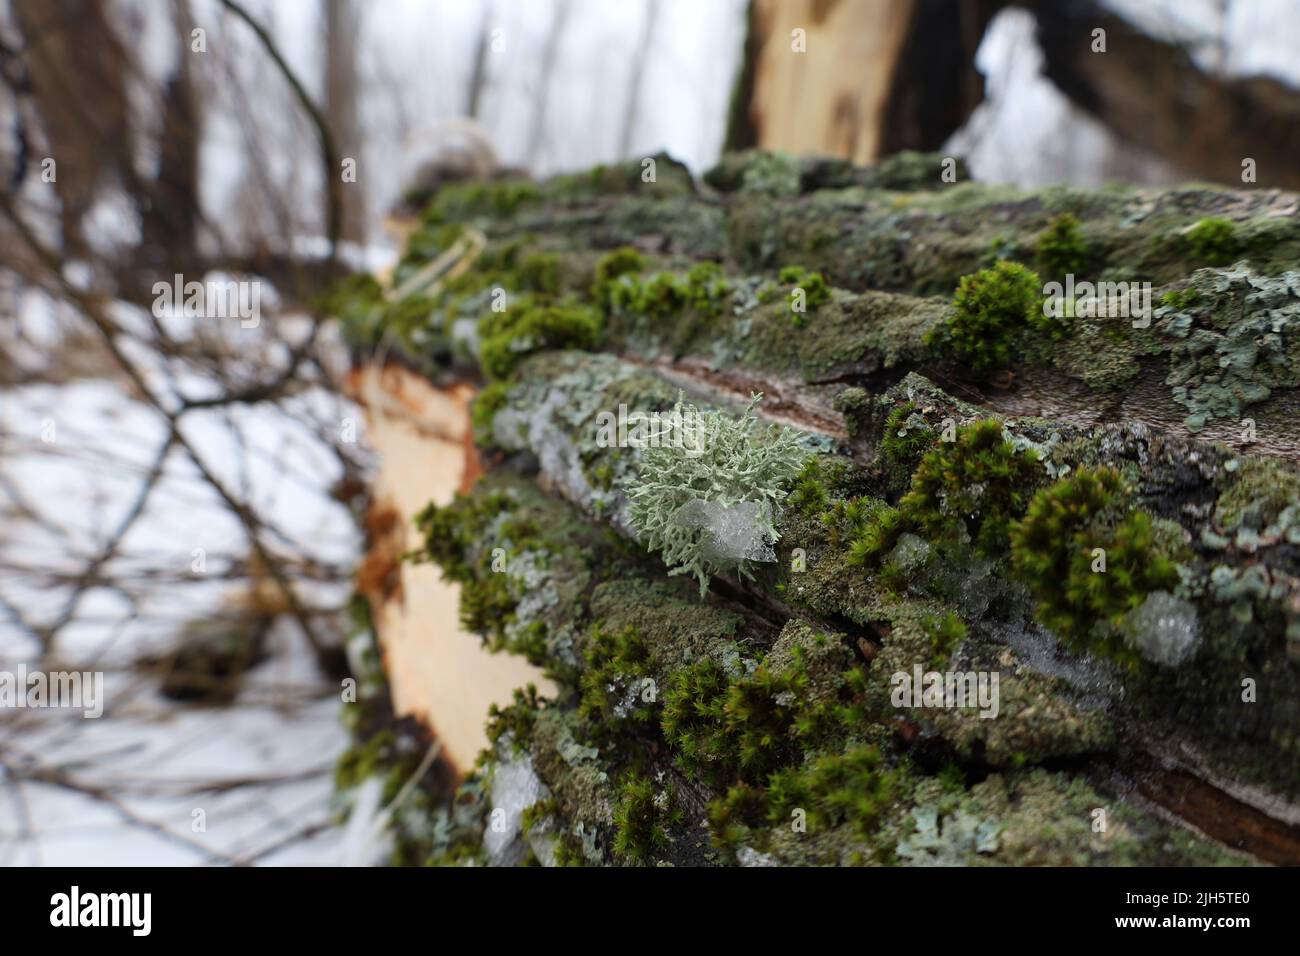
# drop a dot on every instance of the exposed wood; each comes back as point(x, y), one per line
point(830, 99)
point(438, 673)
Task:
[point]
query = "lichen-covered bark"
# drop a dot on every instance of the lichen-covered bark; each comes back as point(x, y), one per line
point(1061, 522)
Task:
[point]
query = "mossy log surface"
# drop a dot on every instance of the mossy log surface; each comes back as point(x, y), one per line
point(1106, 516)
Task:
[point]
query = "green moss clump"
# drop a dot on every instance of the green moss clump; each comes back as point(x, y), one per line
point(724, 729)
point(707, 288)
point(873, 528)
point(671, 179)
point(622, 261)
point(813, 284)
point(461, 201)
point(516, 719)
point(704, 289)
point(903, 442)
point(363, 760)
point(642, 818)
point(507, 337)
point(995, 310)
point(1061, 247)
point(537, 814)
point(946, 631)
point(618, 663)
point(809, 497)
point(414, 320)
point(492, 399)
point(540, 272)
point(355, 301)
point(453, 533)
point(852, 787)
point(972, 487)
point(1213, 241)
point(1180, 299)
point(1053, 550)
point(963, 492)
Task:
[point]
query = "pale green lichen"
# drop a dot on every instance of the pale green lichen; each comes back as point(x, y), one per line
point(1233, 344)
point(704, 498)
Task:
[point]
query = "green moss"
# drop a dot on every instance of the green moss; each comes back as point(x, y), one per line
point(642, 819)
point(809, 496)
point(1054, 551)
point(703, 289)
point(363, 760)
point(746, 727)
point(972, 488)
point(540, 272)
point(622, 261)
point(1061, 247)
point(903, 441)
point(946, 631)
point(726, 727)
point(1180, 300)
point(507, 337)
point(461, 201)
point(516, 719)
point(356, 302)
point(1213, 241)
point(995, 310)
point(613, 683)
point(456, 538)
point(568, 851)
point(812, 284)
point(492, 399)
point(410, 317)
point(853, 787)
point(873, 532)
point(963, 492)
point(536, 815)
point(451, 532)
point(671, 179)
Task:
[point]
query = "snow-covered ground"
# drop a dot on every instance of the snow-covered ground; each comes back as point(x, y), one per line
point(154, 781)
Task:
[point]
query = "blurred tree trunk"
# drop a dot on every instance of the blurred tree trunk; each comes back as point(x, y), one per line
point(78, 67)
point(342, 25)
point(170, 219)
point(636, 79)
point(478, 77)
point(550, 54)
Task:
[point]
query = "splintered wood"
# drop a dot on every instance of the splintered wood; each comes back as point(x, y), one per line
point(437, 672)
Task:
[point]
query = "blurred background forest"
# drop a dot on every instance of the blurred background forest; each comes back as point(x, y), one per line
point(180, 499)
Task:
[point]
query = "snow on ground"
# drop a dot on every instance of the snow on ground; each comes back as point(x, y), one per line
point(154, 781)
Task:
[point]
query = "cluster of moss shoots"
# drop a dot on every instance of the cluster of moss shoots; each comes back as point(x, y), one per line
point(1087, 555)
point(747, 735)
point(996, 312)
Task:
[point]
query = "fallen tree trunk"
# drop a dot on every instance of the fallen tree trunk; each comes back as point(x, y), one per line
point(1052, 525)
